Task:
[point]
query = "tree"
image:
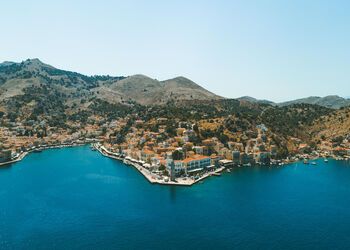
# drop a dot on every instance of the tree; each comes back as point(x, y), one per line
point(177, 155)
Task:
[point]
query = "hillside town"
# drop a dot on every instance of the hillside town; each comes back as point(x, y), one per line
point(177, 155)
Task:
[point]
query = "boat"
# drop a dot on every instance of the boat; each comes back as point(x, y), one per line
point(313, 163)
point(228, 170)
point(326, 160)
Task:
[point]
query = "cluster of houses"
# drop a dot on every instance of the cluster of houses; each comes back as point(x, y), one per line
point(336, 149)
point(179, 156)
point(15, 139)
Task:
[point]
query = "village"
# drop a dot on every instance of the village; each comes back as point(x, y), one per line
point(163, 159)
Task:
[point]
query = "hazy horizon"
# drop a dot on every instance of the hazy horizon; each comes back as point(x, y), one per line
point(275, 51)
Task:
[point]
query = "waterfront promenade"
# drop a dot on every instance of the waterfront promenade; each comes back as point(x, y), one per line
point(19, 158)
point(22, 155)
point(154, 178)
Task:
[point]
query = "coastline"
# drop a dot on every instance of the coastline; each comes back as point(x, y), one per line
point(39, 149)
point(19, 158)
point(149, 176)
point(153, 178)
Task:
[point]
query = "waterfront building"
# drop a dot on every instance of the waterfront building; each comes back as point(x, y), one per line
point(339, 151)
point(226, 163)
point(247, 158)
point(198, 149)
point(170, 165)
point(193, 164)
point(236, 157)
point(5, 155)
point(197, 162)
point(215, 161)
point(179, 167)
point(146, 155)
point(264, 158)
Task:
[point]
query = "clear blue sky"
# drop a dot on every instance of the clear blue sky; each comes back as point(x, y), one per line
point(276, 50)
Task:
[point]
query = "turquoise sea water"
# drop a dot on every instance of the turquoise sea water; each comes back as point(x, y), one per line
point(74, 198)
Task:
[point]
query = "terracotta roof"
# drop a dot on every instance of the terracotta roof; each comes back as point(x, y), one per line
point(148, 152)
point(196, 158)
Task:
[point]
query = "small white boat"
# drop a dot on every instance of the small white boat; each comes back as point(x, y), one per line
point(326, 160)
point(313, 163)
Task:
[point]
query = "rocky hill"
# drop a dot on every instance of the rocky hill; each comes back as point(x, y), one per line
point(331, 101)
point(148, 91)
point(334, 125)
point(16, 78)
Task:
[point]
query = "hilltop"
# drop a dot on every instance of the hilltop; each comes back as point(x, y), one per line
point(16, 78)
point(147, 91)
point(331, 101)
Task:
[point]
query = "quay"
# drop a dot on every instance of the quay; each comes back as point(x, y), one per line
point(152, 177)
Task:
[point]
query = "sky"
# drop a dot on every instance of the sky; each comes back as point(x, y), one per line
point(277, 50)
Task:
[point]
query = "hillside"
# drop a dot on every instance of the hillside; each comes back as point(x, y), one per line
point(32, 91)
point(15, 78)
point(337, 124)
point(148, 91)
point(331, 101)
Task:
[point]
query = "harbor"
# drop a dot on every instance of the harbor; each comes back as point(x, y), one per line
point(21, 155)
point(155, 178)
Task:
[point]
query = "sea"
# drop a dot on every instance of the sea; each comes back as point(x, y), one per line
point(75, 198)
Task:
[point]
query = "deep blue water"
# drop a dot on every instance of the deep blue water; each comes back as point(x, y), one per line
point(76, 199)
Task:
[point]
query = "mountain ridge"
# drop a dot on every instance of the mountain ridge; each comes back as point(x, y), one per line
point(329, 101)
point(14, 77)
point(138, 88)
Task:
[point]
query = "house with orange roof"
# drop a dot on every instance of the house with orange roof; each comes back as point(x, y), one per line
point(191, 164)
point(196, 162)
point(146, 155)
point(341, 151)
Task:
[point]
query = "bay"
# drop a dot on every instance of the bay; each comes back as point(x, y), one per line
point(74, 198)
